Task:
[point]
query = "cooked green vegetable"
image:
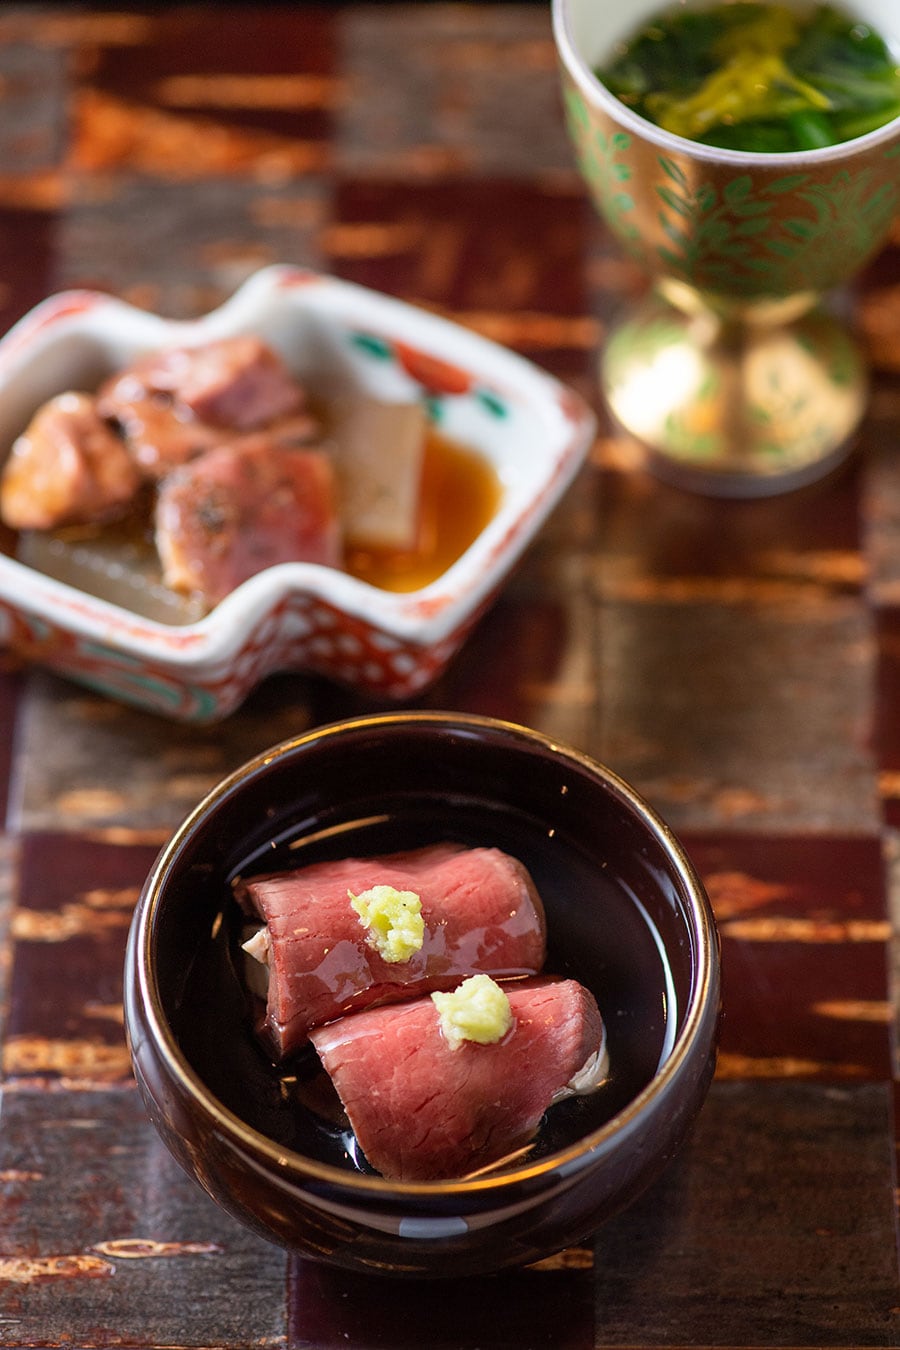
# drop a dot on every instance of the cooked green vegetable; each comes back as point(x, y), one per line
point(756, 76)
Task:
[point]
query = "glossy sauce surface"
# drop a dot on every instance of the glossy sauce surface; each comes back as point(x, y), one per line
point(460, 492)
point(117, 561)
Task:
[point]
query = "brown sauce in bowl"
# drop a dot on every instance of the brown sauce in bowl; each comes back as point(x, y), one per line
point(117, 561)
point(460, 492)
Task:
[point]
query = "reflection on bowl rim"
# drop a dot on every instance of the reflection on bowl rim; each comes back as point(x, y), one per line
point(595, 90)
point(563, 1160)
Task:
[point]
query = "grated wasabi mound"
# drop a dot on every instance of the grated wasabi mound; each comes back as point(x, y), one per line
point(478, 1010)
point(392, 920)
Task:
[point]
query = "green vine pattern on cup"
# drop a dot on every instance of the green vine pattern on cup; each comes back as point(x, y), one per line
point(604, 173)
point(794, 232)
point(742, 242)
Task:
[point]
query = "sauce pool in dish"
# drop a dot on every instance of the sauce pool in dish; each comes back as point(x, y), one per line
point(459, 494)
point(194, 468)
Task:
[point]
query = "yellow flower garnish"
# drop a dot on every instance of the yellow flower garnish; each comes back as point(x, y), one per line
point(745, 88)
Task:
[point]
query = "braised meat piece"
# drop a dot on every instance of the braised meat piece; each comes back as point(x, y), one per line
point(232, 403)
point(242, 507)
point(160, 433)
point(176, 403)
point(479, 908)
point(298, 429)
point(237, 382)
point(67, 468)
point(423, 1108)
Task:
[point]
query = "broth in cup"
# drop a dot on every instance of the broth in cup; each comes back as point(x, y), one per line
point(757, 77)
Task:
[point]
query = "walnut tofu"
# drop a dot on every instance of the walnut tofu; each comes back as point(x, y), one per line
point(379, 453)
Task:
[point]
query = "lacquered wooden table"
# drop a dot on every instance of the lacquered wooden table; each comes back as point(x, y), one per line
point(739, 663)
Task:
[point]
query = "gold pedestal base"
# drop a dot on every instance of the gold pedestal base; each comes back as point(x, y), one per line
point(735, 409)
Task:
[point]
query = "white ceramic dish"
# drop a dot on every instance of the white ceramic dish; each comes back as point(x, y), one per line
point(534, 430)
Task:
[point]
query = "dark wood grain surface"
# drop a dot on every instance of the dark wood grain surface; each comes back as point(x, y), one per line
point(739, 663)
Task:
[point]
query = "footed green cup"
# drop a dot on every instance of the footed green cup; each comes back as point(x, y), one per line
point(734, 373)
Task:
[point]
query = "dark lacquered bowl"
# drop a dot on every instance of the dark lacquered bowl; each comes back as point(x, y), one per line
point(626, 914)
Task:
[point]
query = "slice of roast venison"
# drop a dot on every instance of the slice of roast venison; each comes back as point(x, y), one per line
point(425, 1108)
point(479, 907)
